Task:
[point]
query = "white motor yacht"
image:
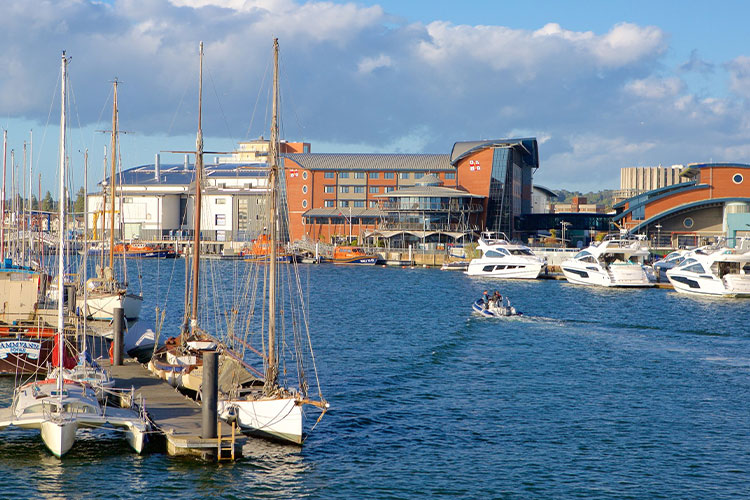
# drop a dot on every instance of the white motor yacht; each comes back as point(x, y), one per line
point(503, 259)
point(720, 272)
point(669, 261)
point(616, 262)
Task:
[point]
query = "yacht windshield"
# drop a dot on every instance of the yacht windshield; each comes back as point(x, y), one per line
point(521, 251)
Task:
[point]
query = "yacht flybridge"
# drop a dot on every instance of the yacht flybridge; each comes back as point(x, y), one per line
point(720, 272)
point(616, 262)
point(504, 259)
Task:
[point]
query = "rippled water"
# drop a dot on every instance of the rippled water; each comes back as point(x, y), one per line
point(593, 393)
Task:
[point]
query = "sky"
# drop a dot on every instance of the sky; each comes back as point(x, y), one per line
point(601, 85)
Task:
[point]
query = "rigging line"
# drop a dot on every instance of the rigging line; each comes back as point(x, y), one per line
point(176, 111)
point(293, 110)
point(221, 109)
point(257, 97)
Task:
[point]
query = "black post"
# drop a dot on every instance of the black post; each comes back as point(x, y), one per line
point(70, 297)
point(209, 393)
point(118, 324)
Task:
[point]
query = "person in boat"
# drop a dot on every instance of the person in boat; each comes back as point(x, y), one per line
point(486, 298)
point(498, 298)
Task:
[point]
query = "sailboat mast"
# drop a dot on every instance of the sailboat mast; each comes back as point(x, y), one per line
point(61, 230)
point(2, 200)
point(272, 371)
point(113, 172)
point(197, 207)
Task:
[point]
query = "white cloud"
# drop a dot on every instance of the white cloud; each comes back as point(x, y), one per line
point(369, 64)
point(739, 71)
point(655, 88)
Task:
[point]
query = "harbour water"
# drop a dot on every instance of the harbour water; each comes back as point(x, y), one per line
point(593, 393)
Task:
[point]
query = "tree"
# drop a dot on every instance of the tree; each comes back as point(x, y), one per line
point(34, 203)
point(78, 206)
point(47, 204)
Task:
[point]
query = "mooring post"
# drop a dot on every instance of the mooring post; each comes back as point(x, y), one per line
point(209, 394)
point(70, 297)
point(118, 326)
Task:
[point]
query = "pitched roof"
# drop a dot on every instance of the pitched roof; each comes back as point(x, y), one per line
point(373, 161)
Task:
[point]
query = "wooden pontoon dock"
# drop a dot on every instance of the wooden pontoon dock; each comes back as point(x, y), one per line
point(176, 416)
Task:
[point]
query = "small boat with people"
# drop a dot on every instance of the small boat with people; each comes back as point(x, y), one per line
point(502, 258)
point(494, 306)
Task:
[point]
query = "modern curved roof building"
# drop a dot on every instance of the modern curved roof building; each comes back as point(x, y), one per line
point(714, 201)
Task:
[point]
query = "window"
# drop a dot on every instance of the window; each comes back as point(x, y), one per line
point(359, 189)
point(220, 220)
point(220, 201)
point(304, 174)
point(359, 175)
point(688, 222)
point(388, 189)
point(304, 189)
point(344, 204)
point(359, 203)
point(450, 175)
point(418, 175)
point(373, 204)
point(343, 189)
point(329, 203)
point(737, 178)
point(329, 189)
point(695, 268)
point(328, 175)
point(403, 175)
point(304, 203)
point(388, 175)
point(374, 189)
point(343, 175)
point(374, 175)
point(127, 200)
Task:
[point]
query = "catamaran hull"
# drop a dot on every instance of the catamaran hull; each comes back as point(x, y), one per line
point(59, 437)
point(277, 419)
point(102, 307)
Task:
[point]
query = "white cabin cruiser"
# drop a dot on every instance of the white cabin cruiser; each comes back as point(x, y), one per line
point(613, 262)
point(721, 272)
point(503, 259)
point(669, 261)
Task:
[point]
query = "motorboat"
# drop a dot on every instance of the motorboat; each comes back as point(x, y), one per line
point(455, 265)
point(615, 262)
point(667, 262)
point(719, 272)
point(495, 309)
point(352, 255)
point(504, 259)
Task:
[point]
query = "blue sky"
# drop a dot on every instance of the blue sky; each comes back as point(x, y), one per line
point(602, 85)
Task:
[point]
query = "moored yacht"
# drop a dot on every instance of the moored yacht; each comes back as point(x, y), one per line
point(720, 272)
point(616, 262)
point(503, 259)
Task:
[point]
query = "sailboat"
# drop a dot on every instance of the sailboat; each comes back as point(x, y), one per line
point(273, 409)
point(58, 406)
point(105, 293)
point(180, 360)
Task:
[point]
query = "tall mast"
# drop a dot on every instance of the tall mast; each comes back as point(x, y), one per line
point(85, 239)
point(197, 207)
point(2, 199)
point(112, 183)
point(61, 231)
point(23, 211)
point(272, 371)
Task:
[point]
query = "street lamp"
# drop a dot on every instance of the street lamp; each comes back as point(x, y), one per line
point(658, 235)
point(564, 225)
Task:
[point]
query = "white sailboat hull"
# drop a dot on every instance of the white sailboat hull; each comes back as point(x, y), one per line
point(279, 419)
point(101, 307)
point(59, 437)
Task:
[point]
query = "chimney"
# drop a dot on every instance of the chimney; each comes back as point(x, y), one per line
point(157, 168)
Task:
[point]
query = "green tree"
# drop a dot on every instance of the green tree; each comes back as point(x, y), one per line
point(78, 206)
point(34, 203)
point(47, 204)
